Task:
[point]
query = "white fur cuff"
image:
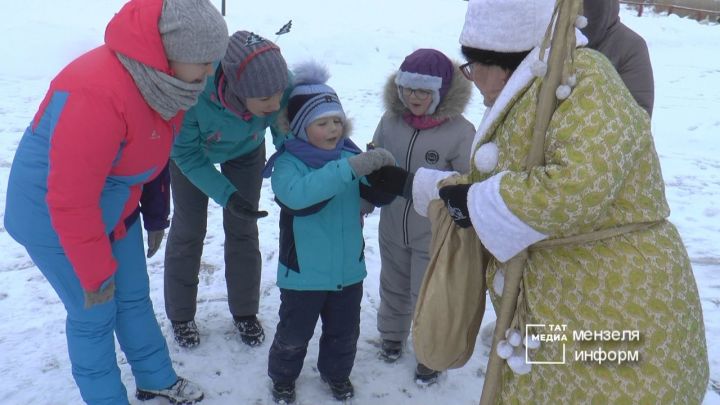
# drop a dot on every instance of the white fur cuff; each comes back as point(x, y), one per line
point(425, 188)
point(502, 233)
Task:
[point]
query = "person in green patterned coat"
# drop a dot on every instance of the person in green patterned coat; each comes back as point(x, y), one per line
point(601, 172)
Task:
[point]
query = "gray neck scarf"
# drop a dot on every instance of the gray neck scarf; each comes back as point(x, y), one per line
point(164, 93)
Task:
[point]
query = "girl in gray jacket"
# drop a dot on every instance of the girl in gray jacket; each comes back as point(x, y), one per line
point(423, 126)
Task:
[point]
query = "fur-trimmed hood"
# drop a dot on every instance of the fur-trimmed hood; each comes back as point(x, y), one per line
point(452, 105)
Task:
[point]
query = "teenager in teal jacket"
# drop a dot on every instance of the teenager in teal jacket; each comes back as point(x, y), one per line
point(228, 127)
point(220, 135)
point(317, 183)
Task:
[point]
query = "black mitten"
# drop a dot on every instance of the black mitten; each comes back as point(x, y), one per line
point(392, 180)
point(455, 198)
point(239, 207)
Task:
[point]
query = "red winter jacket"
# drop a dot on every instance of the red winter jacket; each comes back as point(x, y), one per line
point(79, 171)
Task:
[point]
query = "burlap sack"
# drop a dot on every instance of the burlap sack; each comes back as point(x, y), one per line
point(451, 301)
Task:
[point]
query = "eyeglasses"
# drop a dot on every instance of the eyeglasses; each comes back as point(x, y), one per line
point(420, 94)
point(467, 70)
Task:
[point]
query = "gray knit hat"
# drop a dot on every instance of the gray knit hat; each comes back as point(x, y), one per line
point(253, 68)
point(192, 31)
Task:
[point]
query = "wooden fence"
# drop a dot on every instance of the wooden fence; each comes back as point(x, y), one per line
point(697, 9)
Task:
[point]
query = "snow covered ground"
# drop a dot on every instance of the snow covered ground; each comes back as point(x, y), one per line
point(361, 42)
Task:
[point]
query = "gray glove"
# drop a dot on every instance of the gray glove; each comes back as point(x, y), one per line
point(367, 162)
point(154, 239)
point(104, 294)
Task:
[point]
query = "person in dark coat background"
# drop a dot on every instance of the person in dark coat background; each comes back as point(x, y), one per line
point(625, 49)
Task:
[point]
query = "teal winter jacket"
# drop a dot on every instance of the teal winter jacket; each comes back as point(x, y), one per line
point(321, 241)
point(212, 134)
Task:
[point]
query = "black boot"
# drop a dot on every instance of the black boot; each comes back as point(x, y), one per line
point(341, 389)
point(186, 333)
point(425, 376)
point(283, 393)
point(251, 331)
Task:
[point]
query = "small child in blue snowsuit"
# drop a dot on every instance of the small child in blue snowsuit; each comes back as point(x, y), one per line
point(318, 181)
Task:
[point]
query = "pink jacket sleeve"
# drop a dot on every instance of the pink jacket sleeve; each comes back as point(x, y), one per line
point(85, 142)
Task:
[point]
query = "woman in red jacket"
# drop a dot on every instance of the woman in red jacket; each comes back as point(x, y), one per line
point(92, 160)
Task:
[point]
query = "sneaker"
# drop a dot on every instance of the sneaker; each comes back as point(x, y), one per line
point(283, 393)
point(251, 332)
point(390, 350)
point(342, 389)
point(183, 392)
point(186, 333)
point(425, 376)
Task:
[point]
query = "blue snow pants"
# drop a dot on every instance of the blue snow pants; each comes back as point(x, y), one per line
point(129, 316)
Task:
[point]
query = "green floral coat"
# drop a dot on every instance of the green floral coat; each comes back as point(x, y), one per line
point(601, 171)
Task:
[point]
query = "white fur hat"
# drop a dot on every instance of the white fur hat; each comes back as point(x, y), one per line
point(506, 25)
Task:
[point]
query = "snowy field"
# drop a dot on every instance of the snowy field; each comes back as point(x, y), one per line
point(362, 42)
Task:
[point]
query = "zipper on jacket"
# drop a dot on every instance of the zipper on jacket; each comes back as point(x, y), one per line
point(406, 212)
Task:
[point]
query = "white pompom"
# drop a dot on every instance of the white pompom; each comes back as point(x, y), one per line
point(310, 72)
point(563, 92)
point(538, 68)
point(513, 337)
point(532, 343)
point(571, 81)
point(518, 365)
point(486, 157)
point(503, 349)
point(581, 21)
point(499, 282)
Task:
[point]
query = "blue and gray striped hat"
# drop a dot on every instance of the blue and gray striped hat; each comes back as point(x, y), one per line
point(311, 99)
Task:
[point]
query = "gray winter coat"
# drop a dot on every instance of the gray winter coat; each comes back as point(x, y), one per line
point(444, 147)
point(627, 50)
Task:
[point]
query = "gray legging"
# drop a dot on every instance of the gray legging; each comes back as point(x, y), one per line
point(402, 270)
point(187, 233)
